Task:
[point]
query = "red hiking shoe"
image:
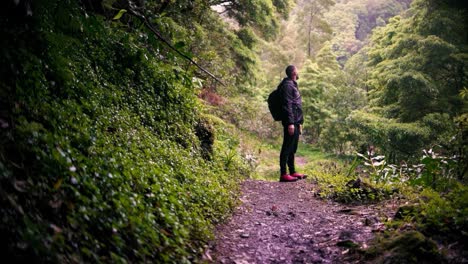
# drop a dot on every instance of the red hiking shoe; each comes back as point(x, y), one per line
point(287, 178)
point(299, 176)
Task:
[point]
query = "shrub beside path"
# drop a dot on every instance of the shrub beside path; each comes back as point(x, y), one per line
point(286, 223)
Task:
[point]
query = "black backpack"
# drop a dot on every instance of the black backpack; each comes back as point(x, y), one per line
point(275, 103)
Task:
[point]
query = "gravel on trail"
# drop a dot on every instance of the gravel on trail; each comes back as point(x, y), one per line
point(287, 223)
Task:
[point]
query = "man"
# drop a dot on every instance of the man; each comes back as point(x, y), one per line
point(292, 124)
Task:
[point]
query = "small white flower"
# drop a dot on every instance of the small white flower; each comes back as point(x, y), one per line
point(74, 180)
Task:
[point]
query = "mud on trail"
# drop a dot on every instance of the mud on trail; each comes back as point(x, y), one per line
point(286, 223)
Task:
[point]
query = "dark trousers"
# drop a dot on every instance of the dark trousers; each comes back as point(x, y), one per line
point(288, 149)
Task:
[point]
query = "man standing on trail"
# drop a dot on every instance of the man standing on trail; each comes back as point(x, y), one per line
point(292, 124)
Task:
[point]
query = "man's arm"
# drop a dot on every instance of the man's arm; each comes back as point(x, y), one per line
point(288, 94)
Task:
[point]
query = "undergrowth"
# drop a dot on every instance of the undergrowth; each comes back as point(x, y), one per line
point(336, 183)
point(104, 153)
point(432, 223)
point(430, 228)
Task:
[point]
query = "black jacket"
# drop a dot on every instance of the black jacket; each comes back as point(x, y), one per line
point(291, 102)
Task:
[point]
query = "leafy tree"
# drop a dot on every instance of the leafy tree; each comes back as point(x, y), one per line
point(261, 14)
point(417, 69)
point(326, 59)
point(327, 102)
point(353, 21)
point(316, 29)
point(318, 82)
point(313, 89)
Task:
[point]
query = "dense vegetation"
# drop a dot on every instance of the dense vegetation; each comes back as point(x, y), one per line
point(106, 154)
point(126, 126)
point(410, 76)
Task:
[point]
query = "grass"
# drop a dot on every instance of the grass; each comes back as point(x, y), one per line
point(314, 154)
point(268, 162)
point(267, 154)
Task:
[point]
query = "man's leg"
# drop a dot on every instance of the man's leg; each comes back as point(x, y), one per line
point(285, 153)
point(291, 166)
point(293, 149)
point(291, 163)
point(285, 150)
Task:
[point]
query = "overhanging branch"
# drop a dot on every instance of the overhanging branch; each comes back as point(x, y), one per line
point(160, 37)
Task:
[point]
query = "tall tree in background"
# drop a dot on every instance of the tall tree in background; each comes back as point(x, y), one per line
point(316, 29)
point(353, 22)
point(328, 100)
point(313, 87)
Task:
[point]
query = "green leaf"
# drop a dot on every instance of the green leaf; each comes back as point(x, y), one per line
point(179, 45)
point(120, 14)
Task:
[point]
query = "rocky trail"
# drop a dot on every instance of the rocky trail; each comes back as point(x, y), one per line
point(286, 223)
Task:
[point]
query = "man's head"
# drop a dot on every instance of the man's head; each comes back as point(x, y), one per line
point(291, 72)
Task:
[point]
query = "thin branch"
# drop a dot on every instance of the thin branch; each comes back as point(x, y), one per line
point(160, 37)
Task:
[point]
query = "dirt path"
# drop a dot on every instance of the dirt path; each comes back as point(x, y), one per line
point(285, 223)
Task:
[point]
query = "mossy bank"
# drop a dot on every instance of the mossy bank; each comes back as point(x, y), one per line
point(105, 155)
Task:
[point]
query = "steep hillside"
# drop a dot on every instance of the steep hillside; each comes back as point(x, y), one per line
point(106, 153)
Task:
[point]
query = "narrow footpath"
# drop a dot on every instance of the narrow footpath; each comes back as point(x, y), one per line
point(286, 223)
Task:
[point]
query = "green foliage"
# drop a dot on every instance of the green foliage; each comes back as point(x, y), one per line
point(376, 167)
point(283, 7)
point(197, 29)
point(425, 230)
point(326, 59)
point(120, 14)
point(437, 167)
point(406, 247)
point(370, 177)
point(405, 141)
point(416, 74)
point(339, 183)
point(338, 135)
point(353, 22)
point(435, 209)
point(314, 30)
point(435, 170)
point(100, 160)
point(396, 139)
point(444, 215)
point(327, 102)
point(314, 89)
point(259, 14)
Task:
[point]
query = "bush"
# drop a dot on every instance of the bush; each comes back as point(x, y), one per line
point(407, 247)
point(430, 228)
point(399, 141)
point(445, 215)
point(341, 184)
